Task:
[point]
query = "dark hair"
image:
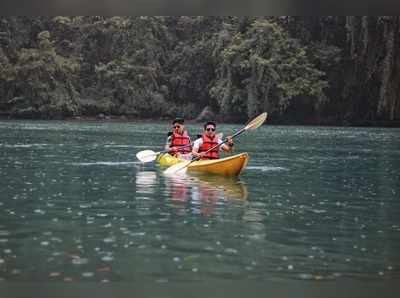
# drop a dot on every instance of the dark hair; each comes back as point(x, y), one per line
point(178, 120)
point(210, 123)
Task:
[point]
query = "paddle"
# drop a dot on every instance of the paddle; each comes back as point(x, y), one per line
point(149, 155)
point(182, 166)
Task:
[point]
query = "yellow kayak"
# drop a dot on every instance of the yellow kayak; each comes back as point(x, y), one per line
point(167, 160)
point(228, 166)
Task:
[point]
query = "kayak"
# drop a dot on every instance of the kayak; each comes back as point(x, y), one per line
point(167, 160)
point(228, 166)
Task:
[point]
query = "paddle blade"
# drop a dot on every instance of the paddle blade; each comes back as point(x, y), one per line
point(257, 122)
point(146, 155)
point(179, 168)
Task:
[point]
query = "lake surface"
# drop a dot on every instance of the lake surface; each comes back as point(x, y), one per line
point(313, 204)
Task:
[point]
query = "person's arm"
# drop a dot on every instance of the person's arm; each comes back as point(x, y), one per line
point(196, 147)
point(168, 143)
point(228, 146)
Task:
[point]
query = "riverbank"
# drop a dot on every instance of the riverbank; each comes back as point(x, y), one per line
point(128, 119)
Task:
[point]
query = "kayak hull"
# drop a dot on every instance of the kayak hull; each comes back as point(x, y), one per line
point(228, 166)
point(167, 160)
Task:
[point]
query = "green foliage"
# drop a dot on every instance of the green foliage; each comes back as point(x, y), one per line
point(267, 68)
point(7, 72)
point(166, 66)
point(43, 82)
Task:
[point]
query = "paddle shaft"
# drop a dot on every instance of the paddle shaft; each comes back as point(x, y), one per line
point(223, 142)
point(216, 146)
point(250, 125)
point(168, 150)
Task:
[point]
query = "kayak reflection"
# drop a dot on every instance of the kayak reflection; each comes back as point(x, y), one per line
point(232, 187)
point(145, 182)
point(205, 192)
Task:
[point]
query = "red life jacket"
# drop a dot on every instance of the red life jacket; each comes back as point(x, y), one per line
point(208, 143)
point(181, 140)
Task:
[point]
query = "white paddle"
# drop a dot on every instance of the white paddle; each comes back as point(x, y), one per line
point(182, 166)
point(149, 155)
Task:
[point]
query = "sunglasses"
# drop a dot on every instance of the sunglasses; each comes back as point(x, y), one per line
point(210, 129)
point(176, 126)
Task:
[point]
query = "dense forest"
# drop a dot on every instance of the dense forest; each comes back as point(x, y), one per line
point(302, 70)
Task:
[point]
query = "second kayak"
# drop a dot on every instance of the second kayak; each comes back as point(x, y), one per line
point(167, 160)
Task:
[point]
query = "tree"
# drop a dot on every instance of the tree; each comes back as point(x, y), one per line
point(43, 82)
point(264, 69)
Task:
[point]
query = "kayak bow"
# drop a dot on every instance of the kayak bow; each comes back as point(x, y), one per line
point(228, 166)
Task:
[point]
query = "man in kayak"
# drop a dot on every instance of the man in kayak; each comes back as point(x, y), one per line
point(178, 141)
point(209, 140)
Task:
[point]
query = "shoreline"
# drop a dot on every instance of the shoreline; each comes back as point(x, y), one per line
point(125, 119)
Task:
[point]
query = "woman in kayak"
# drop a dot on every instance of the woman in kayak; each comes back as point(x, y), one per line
point(209, 140)
point(178, 141)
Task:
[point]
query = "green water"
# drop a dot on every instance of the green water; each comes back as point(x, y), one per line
point(313, 204)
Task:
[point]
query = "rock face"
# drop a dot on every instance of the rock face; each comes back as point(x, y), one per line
point(206, 115)
point(101, 116)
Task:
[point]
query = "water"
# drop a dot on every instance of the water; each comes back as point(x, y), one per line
point(314, 204)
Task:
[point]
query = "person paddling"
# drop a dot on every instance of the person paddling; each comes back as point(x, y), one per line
point(178, 142)
point(208, 140)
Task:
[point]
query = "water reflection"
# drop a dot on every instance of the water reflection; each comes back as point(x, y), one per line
point(145, 182)
point(178, 188)
point(324, 205)
point(231, 187)
point(205, 193)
